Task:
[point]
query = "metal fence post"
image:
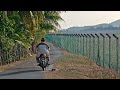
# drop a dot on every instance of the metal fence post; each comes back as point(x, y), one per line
point(89, 45)
point(71, 43)
point(77, 42)
point(74, 43)
point(86, 43)
point(80, 44)
point(109, 49)
point(103, 48)
point(93, 46)
point(62, 41)
point(68, 42)
point(83, 43)
point(117, 52)
point(98, 55)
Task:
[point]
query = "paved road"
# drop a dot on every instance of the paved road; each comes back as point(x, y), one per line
point(29, 69)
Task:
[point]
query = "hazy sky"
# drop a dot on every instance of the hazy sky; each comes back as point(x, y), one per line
point(85, 18)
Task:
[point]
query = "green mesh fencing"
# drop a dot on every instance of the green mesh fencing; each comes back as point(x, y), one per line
point(100, 48)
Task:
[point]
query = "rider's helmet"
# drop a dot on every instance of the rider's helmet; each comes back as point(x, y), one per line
point(42, 40)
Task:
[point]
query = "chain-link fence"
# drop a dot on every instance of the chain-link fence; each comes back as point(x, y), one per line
point(101, 48)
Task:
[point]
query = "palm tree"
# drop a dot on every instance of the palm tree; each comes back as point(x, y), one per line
point(25, 26)
point(50, 21)
point(21, 25)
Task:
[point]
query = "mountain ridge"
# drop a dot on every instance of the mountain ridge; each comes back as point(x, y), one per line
point(115, 25)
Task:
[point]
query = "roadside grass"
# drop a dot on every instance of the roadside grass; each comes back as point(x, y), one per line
point(71, 66)
point(8, 66)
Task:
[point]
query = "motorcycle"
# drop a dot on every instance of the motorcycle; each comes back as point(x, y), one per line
point(43, 61)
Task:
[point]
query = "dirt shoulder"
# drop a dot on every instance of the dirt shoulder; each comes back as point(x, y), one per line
point(70, 66)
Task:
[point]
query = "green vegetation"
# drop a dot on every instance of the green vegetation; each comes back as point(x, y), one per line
point(24, 27)
point(20, 29)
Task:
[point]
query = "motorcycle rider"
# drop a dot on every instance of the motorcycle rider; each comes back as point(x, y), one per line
point(43, 48)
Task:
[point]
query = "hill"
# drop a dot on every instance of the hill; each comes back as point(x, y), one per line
point(103, 27)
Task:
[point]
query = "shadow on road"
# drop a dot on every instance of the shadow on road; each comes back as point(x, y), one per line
point(19, 72)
